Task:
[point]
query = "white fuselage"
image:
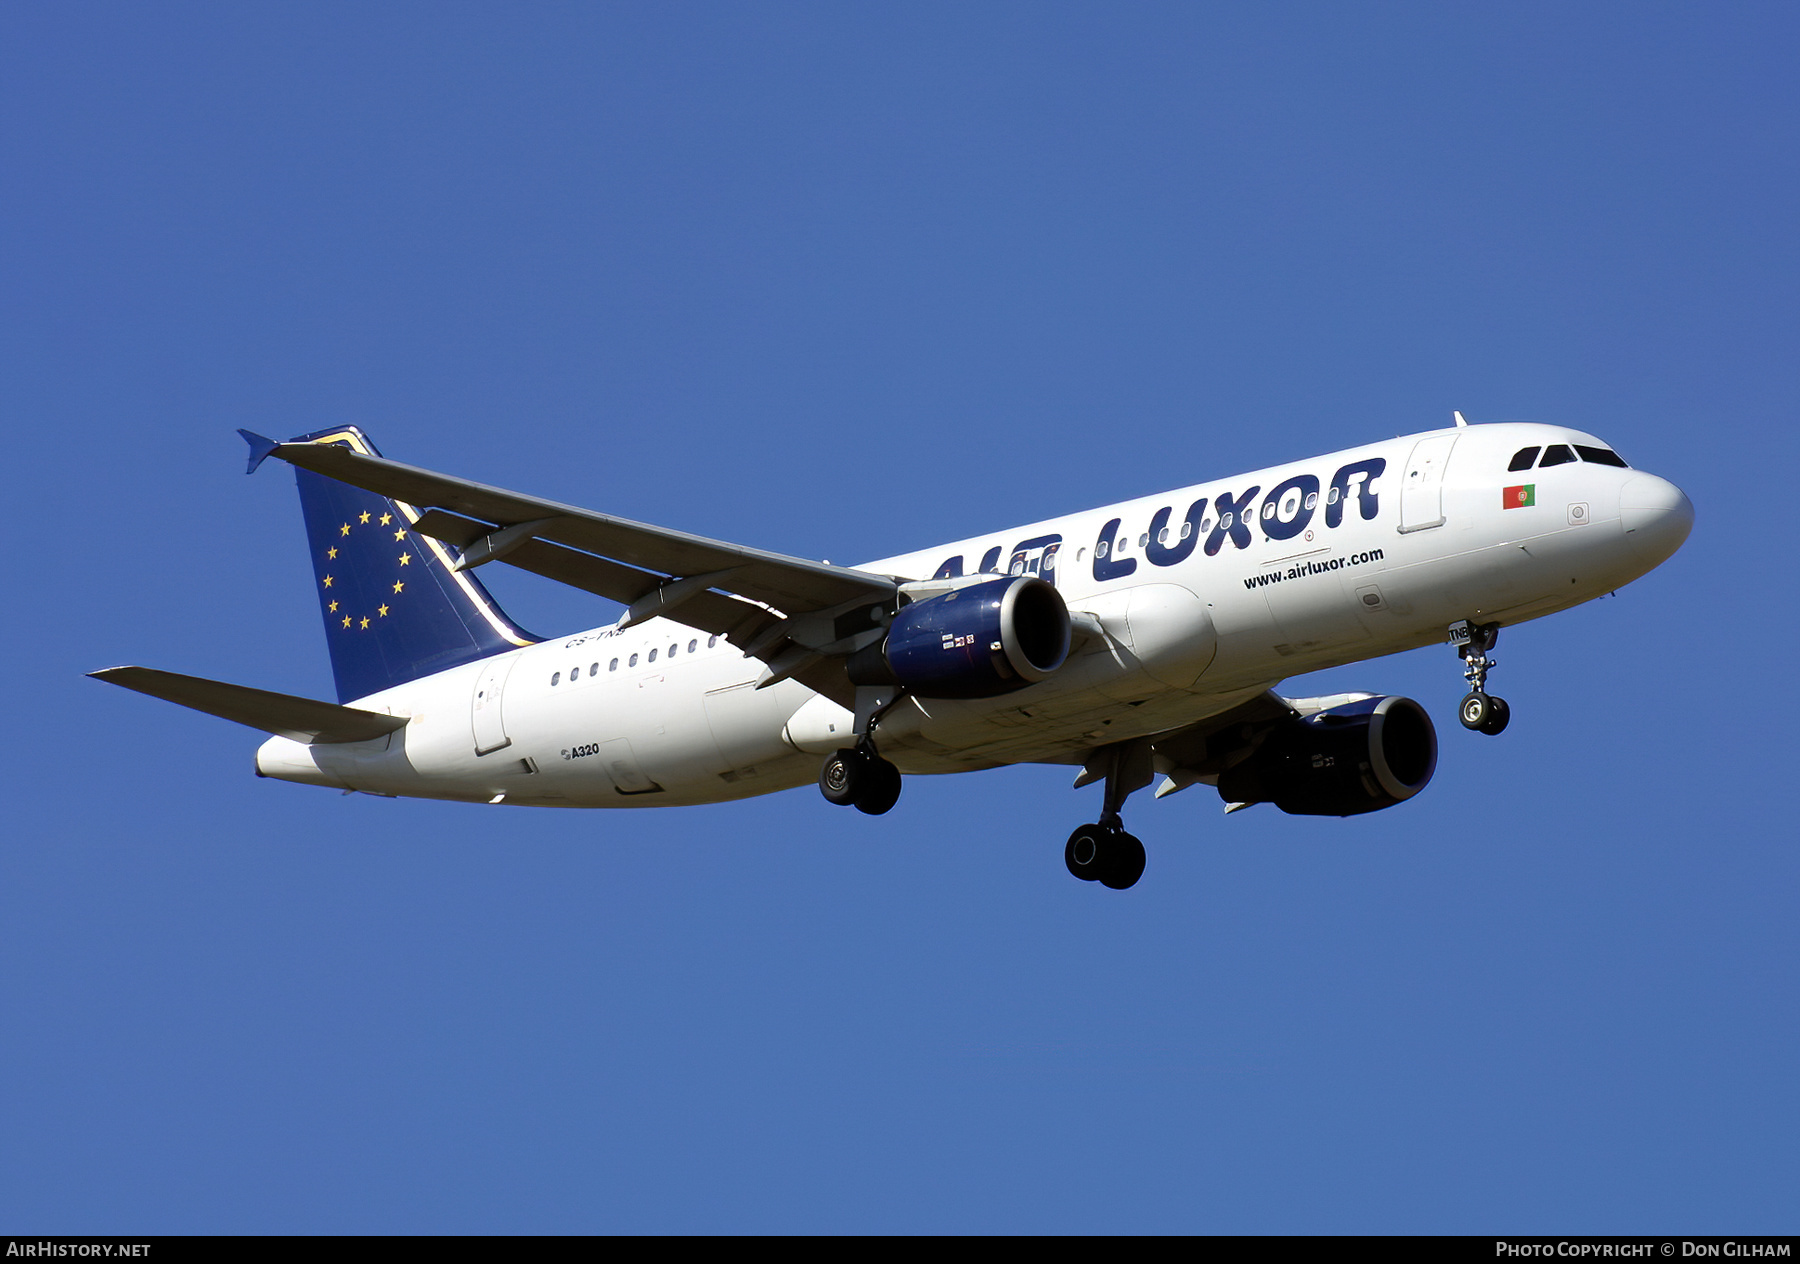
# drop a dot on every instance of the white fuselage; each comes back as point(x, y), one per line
point(1188, 625)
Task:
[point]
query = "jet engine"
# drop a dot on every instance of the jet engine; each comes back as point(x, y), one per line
point(1342, 761)
point(977, 641)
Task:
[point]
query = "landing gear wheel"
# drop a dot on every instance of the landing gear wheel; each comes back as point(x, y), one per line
point(860, 779)
point(1085, 852)
point(1476, 712)
point(882, 788)
point(1498, 715)
point(843, 776)
point(1124, 862)
point(1480, 712)
point(1111, 857)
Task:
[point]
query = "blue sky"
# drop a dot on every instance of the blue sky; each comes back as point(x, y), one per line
point(844, 282)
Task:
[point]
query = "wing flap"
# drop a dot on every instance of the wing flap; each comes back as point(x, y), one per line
point(302, 719)
point(731, 617)
point(741, 622)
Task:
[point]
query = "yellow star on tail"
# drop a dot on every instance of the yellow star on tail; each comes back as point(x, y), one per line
point(365, 517)
point(400, 534)
point(386, 518)
point(333, 607)
point(405, 558)
point(344, 530)
point(328, 581)
point(346, 620)
point(382, 611)
point(365, 621)
point(331, 553)
point(398, 585)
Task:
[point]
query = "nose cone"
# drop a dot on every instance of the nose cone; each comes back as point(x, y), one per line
point(1655, 514)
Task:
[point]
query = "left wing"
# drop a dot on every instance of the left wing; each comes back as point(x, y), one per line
point(801, 617)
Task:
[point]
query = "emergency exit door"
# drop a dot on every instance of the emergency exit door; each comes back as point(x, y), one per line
point(485, 706)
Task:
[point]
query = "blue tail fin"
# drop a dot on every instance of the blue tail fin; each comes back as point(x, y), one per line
point(394, 610)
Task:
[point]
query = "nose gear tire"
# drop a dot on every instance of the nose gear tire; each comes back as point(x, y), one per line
point(1476, 710)
point(1498, 716)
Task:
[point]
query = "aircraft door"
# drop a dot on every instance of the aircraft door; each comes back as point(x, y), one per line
point(484, 707)
point(1422, 486)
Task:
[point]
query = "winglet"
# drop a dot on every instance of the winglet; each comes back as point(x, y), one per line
point(259, 448)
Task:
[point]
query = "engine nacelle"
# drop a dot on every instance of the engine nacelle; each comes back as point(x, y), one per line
point(1343, 761)
point(978, 641)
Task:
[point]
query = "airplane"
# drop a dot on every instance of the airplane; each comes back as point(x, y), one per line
point(1139, 639)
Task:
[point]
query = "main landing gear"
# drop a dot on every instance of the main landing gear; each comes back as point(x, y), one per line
point(1480, 712)
point(1104, 852)
point(857, 776)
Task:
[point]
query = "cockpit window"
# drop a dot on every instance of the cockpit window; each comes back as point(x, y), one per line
point(1602, 456)
point(1556, 454)
point(1523, 458)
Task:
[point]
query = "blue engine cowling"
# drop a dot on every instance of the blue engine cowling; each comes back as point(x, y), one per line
point(975, 642)
point(1344, 761)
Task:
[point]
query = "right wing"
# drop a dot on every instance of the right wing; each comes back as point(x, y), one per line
point(1201, 752)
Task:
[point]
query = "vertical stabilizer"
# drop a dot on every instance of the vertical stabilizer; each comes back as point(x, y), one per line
point(394, 610)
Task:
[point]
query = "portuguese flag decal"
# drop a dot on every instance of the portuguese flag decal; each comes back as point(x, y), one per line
point(1519, 497)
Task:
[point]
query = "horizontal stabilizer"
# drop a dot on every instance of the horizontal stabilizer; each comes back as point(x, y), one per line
point(302, 719)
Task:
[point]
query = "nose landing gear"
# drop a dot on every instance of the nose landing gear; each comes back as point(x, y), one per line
point(1480, 712)
point(1484, 713)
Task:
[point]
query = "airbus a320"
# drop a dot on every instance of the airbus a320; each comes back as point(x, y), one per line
point(1133, 641)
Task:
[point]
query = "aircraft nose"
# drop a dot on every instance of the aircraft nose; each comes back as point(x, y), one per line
point(1656, 514)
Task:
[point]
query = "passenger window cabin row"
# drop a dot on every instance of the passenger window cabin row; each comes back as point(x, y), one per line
point(693, 647)
point(1223, 523)
point(1563, 454)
